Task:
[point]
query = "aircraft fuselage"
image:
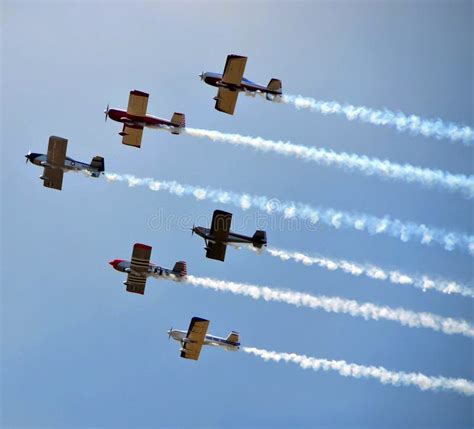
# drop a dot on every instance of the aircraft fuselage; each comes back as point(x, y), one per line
point(215, 79)
point(147, 121)
point(153, 270)
point(233, 239)
point(70, 164)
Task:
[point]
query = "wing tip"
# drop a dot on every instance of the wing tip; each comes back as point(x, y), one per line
point(198, 319)
point(142, 246)
point(139, 93)
point(221, 212)
point(57, 138)
point(236, 56)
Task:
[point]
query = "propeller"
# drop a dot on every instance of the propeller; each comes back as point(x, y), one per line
point(106, 111)
point(202, 76)
point(169, 333)
point(192, 230)
point(27, 156)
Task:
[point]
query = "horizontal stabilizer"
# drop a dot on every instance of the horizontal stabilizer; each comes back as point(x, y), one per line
point(180, 269)
point(179, 121)
point(275, 86)
point(98, 163)
point(259, 239)
point(233, 337)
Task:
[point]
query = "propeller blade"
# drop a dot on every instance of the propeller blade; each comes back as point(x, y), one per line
point(192, 231)
point(106, 111)
point(169, 333)
point(202, 76)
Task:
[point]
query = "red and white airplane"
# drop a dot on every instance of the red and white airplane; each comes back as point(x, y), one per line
point(135, 118)
point(140, 268)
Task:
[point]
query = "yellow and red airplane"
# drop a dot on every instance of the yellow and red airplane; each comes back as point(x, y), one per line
point(135, 118)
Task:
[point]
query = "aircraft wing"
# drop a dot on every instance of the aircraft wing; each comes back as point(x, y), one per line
point(132, 136)
point(226, 100)
point(53, 177)
point(57, 151)
point(216, 251)
point(136, 279)
point(220, 226)
point(234, 69)
point(137, 103)
point(195, 336)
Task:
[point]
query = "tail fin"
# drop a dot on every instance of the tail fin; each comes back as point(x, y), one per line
point(98, 162)
point(275, 86)
point(259, 239)
point(180, 269)
point(179, 121)
point(233, 337)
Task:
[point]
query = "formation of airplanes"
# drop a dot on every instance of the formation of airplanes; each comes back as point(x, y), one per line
point(192, 340)
point(55, 163)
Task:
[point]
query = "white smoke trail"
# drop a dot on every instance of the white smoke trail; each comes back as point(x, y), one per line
point(366, 310)
point(398, 378)
point(413, 124)
point(368, 166)
point(423, 282)
point(404, 231)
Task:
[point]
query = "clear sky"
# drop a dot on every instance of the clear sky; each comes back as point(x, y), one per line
point(79, 352)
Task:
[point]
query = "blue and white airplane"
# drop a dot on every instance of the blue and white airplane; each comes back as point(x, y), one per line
point(196, 336)
point(232, 81)
point(56, 163)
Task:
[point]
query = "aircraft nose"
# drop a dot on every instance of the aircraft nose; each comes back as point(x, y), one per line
point(113, 263)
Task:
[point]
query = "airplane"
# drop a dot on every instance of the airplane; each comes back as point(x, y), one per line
point(140, 268)
point(135, 118)
point(219, 236)
point(196, 337)
point(56, 163)
point(232, 81)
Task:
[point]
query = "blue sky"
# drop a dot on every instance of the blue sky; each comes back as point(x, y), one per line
point(78, 351)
